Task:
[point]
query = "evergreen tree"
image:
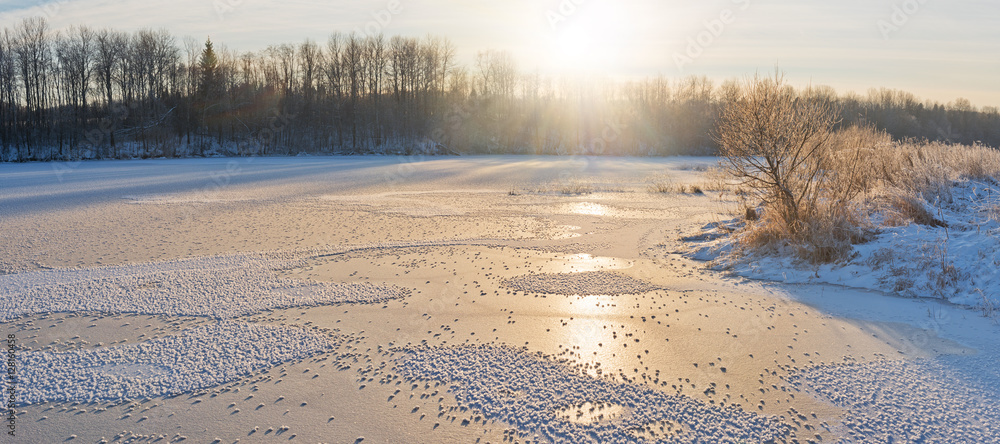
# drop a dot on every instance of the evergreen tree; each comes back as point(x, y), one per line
point(208, 88)
point(208, 64)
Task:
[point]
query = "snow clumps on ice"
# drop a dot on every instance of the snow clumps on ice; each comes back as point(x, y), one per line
point(581, 284)
point(530, 393)
point(195, 359)
point(911, 401)
point(222, 287)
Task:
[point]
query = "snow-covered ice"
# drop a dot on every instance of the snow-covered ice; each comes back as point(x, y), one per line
point(581, 284)
point(941, 400)
point(298, 294)
point(221, 287)
point(530, 391)
point(197, 358)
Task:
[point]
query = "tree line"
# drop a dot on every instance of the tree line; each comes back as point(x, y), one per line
point(85, 93)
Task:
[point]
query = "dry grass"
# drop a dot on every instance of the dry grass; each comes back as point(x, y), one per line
point(899, 182)
point(716, 180)
point(929, 169)
point(662, 186)
point(900, 209)
point(816, 239)
point(807, 188)
point(989, 306)
point(566, 187)
point(690, 189)
point(668, 188)
point(993, 212)
point(575, 189)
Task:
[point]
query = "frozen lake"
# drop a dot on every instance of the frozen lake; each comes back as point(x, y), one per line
point(446, 299)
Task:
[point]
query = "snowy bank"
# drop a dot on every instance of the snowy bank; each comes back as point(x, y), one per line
point(957, 262)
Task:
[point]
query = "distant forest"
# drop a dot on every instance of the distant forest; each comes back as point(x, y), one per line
point(89, 93)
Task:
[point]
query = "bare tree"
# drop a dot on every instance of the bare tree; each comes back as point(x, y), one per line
point(32, 48)
point(76, 53)
point(771, 140)
point(335, 80)
point(354, 74)
point(498, 78)
point(9, 96)
point(375, 65)
point(367, 93)
point(310, 55)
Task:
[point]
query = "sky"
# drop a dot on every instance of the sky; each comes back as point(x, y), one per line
point(939, 50)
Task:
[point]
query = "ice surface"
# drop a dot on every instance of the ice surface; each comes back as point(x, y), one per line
point(186, 235)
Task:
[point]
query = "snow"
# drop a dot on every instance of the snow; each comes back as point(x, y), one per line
point(957, 263)
point(581, 284)
point(912, 401)
point(234, 239)
point(531, 393)
point(221, 287)
point(197, 358)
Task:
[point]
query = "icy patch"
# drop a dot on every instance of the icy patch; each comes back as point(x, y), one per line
point(222, 287)
point(196, 359)
point(911, 401)
point(484, 378)
point(582, 284)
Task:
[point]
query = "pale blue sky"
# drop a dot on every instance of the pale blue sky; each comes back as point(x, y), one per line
point(944, 50)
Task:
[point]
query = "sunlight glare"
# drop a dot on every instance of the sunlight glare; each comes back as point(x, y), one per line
point(590, 40)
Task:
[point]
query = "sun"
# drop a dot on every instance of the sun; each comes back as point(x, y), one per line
point(575, 43)
point(589, 40)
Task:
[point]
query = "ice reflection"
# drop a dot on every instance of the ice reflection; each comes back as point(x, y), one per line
point(589, 209)
point(593, 343)
point(578, 263)
point(601, 210)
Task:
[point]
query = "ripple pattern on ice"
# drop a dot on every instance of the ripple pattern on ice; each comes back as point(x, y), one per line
point(196, 359)
point(911, 401)
point(222, 287)
point(529, 392)
point(582, 284)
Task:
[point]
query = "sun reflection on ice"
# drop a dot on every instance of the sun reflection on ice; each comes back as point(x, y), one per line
point(589, 209)
point(580, 263)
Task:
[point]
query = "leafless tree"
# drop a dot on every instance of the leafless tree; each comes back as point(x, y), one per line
point(310, 55)
point(9, 97)
point(772, 140)
point(138, 94)
point(32, 48)
point(375, 65)
point(76, 54)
